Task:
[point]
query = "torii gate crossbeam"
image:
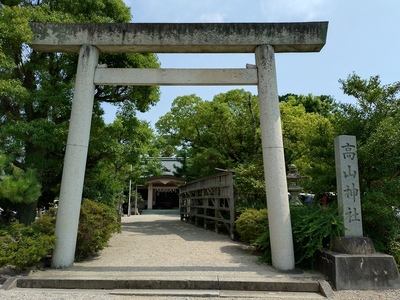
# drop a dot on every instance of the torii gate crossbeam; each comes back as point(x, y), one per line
point(262, 39)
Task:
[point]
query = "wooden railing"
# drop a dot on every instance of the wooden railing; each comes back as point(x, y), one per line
point(209, 202)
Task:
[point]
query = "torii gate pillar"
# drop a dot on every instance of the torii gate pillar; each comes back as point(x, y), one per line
point(75, 159)
point(280, 227)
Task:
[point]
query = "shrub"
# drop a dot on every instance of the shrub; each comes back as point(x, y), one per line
point(250, 186)
point(24, 246)
point(380, 222)
point(394, 250)
point(263, 244)
point(314, 227)
point(97, 223)
point(251, 224)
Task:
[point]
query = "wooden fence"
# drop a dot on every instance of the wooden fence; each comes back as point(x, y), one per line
point(209, 202)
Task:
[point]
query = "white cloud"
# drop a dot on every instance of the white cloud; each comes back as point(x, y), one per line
point(292, 10)
point(212, 17)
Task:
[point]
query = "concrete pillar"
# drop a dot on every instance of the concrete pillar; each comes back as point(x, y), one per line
point(280, 226)
point(75, 159)
point(150, 196)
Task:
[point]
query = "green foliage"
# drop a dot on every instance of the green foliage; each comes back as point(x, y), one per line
point(102, 11)
point(17, 188)
point(114, 149)
point(263, 245)
point(20, 187)
point(251, 224)
point(97, 223)
point(223, 132)
point(322, 105)
point(394, 250)
point(250, 185)
point(380, 153)
point(24, 246)
point(36, 91)
point(308, 142)
point(380, 220)
point(374, 120)
point(14, 27)
point(314, 227)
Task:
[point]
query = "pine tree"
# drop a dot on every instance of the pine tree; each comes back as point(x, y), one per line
point(17, 188)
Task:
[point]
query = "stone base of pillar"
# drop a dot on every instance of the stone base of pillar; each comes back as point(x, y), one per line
point(359, 271)
point(353, 245)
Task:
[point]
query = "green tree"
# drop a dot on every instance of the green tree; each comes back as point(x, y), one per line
point(308, 142)
point(36, 88)
point(221, 132)
point(17, 189)
point(225, 133)
point(323, 105)
point(374, 120)
point(113, 149)
point(250, 184)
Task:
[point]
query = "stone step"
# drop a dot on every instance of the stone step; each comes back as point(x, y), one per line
point(171, 283)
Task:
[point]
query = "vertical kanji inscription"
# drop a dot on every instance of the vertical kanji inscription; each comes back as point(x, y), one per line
point(348, 187)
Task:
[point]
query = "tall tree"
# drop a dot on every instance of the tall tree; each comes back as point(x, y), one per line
point(323, 105)
point(118, 151)
point(308, 143)
point(225, 134)
point(373, 120)
point(221, 132)
point(16, 188)
point(36, 88)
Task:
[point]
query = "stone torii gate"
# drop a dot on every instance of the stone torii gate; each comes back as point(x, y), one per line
point(263, 39)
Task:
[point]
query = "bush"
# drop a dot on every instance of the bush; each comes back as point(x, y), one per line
point(380, 222)
point(395, 251)
point(251, 224)
point(97, 223)
point(24, 246)
point(250, 186)
point(314, 227)
point(263, 244)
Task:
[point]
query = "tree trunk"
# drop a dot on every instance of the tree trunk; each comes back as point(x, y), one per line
point(26, 213)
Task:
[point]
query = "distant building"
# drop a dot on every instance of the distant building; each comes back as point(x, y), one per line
point(161, 192)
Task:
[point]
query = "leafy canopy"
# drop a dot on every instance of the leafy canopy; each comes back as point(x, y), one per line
point(36, 91)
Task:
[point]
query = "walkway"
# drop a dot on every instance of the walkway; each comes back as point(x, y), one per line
point(162, 245)
point(162, 252)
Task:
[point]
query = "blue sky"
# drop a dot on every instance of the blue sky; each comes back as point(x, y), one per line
point(363, 37)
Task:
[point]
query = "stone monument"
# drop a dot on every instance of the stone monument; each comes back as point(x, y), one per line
point(353, 262)
point(348, 187)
